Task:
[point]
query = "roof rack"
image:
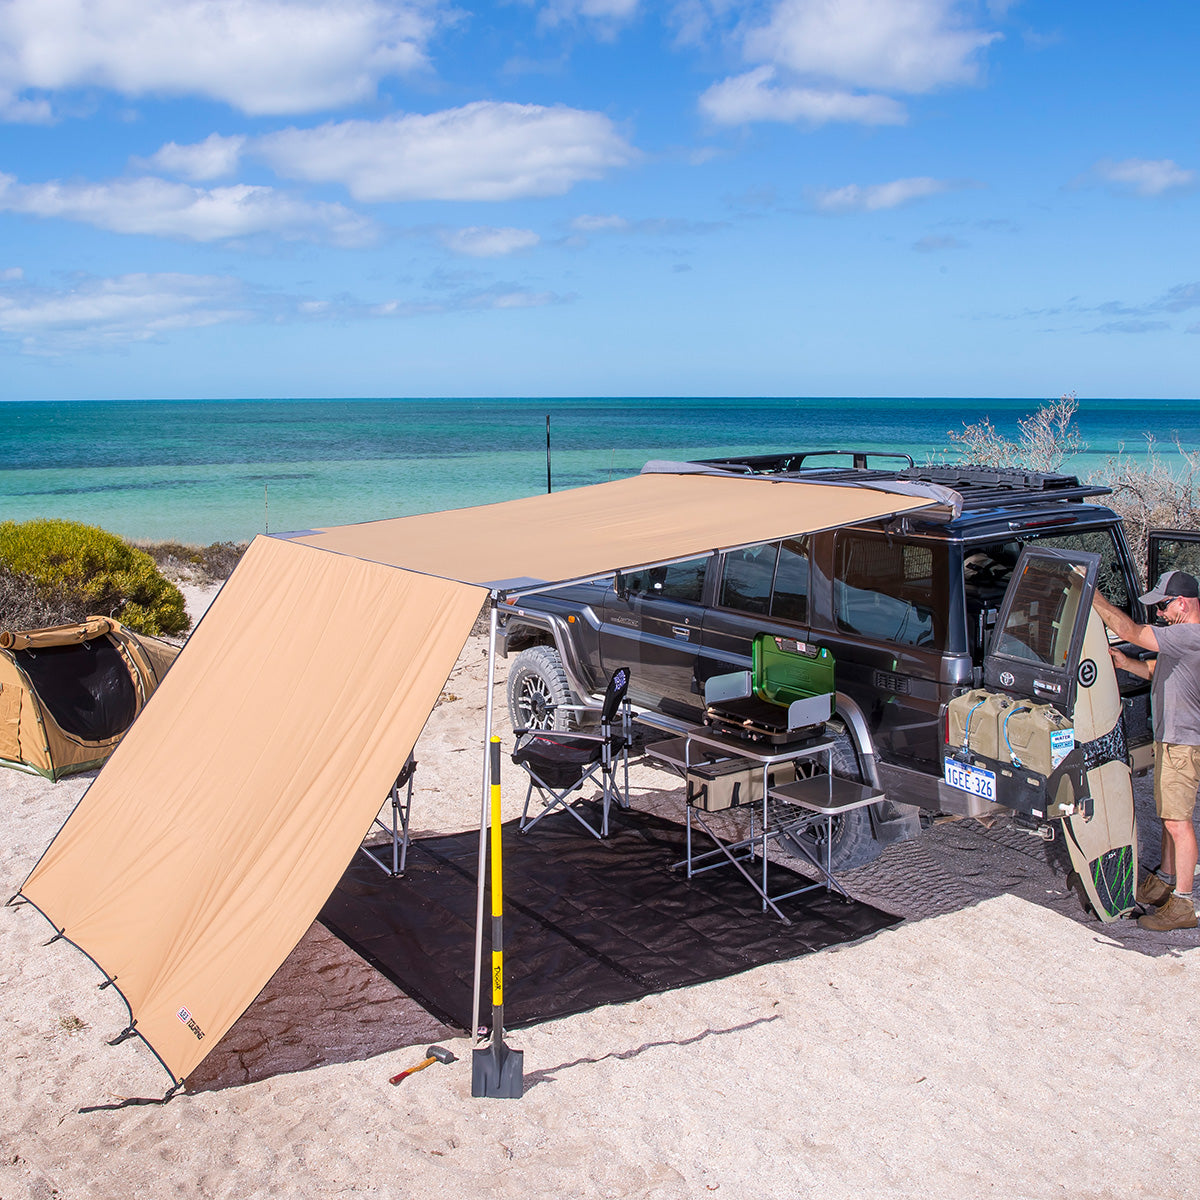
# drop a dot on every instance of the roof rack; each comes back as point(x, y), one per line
point(980, 487)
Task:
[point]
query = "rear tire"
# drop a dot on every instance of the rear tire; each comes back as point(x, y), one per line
point(536, 684)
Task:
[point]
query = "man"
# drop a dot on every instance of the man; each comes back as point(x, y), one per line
point(1175, 694)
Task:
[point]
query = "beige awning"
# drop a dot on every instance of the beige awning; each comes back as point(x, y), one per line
point(218, 829)
point(588, 531)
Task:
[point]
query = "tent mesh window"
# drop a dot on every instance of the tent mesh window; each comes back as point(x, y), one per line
point(86, 688)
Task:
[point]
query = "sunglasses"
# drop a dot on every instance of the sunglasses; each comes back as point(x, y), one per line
point(1163, 605)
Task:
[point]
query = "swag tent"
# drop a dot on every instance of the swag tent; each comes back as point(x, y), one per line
point(68, 693)
point(209, 842)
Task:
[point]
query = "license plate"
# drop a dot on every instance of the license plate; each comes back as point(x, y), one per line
point(975, 780)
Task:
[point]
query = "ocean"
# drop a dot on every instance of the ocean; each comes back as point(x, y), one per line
point(214, 470)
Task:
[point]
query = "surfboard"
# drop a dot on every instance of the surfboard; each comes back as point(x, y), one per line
point(1103, 846)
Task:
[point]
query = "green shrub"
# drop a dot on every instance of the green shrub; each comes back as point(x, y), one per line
point(82, 567)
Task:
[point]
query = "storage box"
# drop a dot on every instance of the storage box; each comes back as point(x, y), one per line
point(729, 782)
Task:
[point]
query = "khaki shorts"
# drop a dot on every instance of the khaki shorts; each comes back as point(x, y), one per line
point(1176, 778)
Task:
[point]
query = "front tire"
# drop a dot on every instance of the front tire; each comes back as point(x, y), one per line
point(537, 685)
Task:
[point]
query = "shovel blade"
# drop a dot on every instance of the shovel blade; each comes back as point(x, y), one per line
point(497, 1071)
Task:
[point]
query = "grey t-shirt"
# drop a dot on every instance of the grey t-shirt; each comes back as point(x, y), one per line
point(1175, 689)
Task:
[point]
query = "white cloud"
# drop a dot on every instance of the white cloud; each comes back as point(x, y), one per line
point(497, 296)
point(872, 198)
point(1146, 177)
point(894, 45)
point(11, 274)
point(261, 56)
point(482, 151)
point(599, 224)
point(99, 313)
point(164, 209)
point(486, 241)
point(214, 158)
point(755, 96)
point(842, 60)
point(605, 13)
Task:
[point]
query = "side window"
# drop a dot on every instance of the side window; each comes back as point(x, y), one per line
point(746, 578)
point(789, 600)
point(891, 590)
point(678, 581)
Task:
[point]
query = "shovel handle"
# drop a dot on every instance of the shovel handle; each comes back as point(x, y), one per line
point(395, 1079)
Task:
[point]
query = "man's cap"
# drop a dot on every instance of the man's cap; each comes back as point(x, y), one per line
point(1171, 583)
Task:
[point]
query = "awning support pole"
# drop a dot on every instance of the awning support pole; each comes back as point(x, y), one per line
point(496, 1070)
point(484, 811)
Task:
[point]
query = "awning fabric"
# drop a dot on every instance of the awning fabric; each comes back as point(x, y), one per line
point(207, 845)
point(585, 532)
point(210, 841)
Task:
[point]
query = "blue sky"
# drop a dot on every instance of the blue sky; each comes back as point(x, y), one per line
point(236, 198)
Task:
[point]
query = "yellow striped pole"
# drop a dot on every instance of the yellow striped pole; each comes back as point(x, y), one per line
point(497, 893)
point(496, 1070)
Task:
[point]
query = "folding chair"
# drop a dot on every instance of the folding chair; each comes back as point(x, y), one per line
point(561, 762)
point(401, 796)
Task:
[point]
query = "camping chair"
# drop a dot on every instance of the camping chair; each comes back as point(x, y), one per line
point(561, 762)
point(401, 797)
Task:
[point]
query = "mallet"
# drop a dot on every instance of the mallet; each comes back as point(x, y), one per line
point(432, 1054)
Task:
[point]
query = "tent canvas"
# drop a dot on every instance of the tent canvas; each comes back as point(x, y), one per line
point(208, 844)
point(68, 693)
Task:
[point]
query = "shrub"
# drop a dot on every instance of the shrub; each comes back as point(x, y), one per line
point(1152, 492)
point(1048, 438)
point(206, 564)
point(80, 569)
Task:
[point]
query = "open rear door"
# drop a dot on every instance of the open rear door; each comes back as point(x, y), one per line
point(1173, 550)
point(1049, 645)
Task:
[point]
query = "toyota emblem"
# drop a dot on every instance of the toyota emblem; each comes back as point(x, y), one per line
point(1007, 679)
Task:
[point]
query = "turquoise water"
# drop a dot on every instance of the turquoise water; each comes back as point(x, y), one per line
point(209, 470)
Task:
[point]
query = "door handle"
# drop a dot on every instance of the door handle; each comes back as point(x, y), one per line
point(681, 631)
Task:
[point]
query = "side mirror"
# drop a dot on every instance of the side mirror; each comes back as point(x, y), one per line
point(620, 586)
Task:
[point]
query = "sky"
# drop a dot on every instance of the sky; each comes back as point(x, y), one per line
point(294, 198)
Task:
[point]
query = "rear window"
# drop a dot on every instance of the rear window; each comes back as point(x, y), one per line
point(746, 578)
point(891, 591)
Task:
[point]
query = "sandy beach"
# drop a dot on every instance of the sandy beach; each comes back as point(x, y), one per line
point(997, 1042)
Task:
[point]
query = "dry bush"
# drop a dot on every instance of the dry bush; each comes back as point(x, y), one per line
point(1048, 437)
point(201, 564)
point(1152, 491)
point(24, 604)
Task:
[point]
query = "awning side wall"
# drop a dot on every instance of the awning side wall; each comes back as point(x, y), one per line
point(208, 844)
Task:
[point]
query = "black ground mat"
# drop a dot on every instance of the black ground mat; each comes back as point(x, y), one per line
point(585, 922)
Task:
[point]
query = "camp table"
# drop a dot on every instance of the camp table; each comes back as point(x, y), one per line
point(684, 751)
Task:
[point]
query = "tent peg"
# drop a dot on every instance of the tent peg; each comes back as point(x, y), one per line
point(124, 1035)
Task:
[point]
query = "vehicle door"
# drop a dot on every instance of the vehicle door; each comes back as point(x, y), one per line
point(651, 624)
point(1173, 550)
point(759, 589)
point(1037, 644)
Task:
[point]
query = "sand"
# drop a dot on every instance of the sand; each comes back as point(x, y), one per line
point(996, 1043)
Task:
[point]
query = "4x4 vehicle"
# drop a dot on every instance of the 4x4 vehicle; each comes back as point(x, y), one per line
point(906, 607)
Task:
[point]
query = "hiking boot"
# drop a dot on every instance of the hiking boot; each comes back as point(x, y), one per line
point(1177, 913)
point(1152, 891)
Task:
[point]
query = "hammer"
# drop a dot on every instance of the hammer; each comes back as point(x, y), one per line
point(432, 1054)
